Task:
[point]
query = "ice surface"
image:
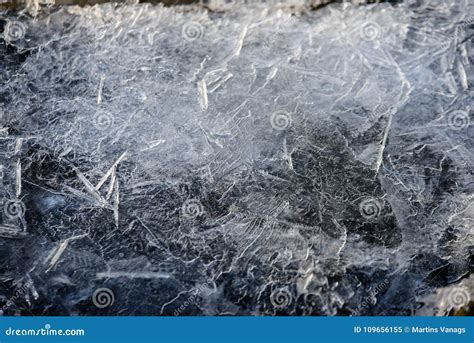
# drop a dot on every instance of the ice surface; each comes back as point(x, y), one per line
point(255, 161)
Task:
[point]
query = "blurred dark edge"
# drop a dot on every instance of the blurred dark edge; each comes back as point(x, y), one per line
point(313, 4)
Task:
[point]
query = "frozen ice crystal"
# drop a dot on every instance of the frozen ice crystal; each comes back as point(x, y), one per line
point(254, 160)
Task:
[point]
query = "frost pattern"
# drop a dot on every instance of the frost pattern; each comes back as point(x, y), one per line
point(253, 161)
